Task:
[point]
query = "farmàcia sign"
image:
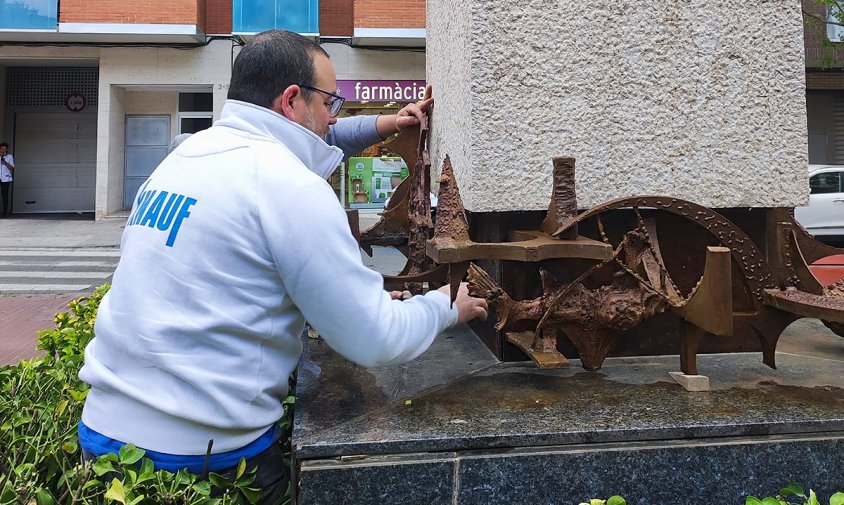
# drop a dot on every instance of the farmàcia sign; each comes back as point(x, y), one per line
point(382, 91)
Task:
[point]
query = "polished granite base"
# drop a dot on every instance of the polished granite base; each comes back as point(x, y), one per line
point(456, 426)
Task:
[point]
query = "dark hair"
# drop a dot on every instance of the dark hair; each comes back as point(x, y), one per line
point(3, 144)
point(269, 63)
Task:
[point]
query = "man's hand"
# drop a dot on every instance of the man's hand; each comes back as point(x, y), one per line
point(410, 115)
point(468, 307)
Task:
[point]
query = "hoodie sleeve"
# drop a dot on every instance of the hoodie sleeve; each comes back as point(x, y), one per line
point(320, 266)
point(353, 134)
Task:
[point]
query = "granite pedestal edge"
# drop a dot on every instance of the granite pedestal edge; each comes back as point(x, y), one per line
point(457, 426)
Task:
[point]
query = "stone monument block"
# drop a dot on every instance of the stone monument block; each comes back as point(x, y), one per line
point(704, 101)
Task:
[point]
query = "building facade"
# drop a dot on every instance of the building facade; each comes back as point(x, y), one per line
point(95, 90)
point(824, 41)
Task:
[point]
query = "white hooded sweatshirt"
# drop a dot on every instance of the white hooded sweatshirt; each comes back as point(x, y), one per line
point(233, 243)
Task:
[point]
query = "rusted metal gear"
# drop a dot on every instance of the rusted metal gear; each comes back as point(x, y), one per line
point(750, 260)
point(810, 251)
point(765, 320)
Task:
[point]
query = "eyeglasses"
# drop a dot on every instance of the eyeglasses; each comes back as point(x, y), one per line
point(334, 103)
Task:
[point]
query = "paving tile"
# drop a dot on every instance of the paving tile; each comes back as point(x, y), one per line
point(20, 320)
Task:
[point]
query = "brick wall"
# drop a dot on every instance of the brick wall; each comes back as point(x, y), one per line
point(831, 80)
point(218, 17)
point(121, 11)
point(389, 13)
point(820, 53)
point(335, 18)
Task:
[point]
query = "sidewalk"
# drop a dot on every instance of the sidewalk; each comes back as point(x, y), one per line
point(60, 231)
point(22, 318)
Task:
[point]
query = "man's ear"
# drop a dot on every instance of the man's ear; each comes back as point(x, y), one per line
point(287, 104)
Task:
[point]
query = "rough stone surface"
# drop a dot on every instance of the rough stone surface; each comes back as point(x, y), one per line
point(703, 101)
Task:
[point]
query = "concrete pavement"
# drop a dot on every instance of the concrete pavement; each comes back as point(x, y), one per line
point(62, 231)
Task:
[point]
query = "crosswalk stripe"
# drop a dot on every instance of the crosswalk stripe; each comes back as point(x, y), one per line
point(12, 274)
point(31, 262)
point(60, 252)
point(52, 270)
point(110, 264)
point(28, 288)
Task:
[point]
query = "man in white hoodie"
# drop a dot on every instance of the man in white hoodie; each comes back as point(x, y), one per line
point(234, 241)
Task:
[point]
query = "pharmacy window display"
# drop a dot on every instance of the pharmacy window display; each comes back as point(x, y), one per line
point(367, 180)
point(371, 180)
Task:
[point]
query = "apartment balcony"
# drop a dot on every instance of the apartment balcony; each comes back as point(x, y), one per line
point(253, 16)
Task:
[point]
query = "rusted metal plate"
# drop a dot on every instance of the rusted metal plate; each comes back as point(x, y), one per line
point(537, 248)
point(543, 359)
point(805, 304)
point(438, 274)
point(563, 204)
point(710, 307)
point(354, 223)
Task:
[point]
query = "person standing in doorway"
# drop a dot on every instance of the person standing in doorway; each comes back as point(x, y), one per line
point(7, 173)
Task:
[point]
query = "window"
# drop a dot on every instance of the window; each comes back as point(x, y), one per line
point(195, 111)
point(834, 30)
point(29, 15)
point(829, 182)
point(195, 102)
point(253, 16)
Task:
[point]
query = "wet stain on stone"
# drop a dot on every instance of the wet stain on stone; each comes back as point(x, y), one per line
point(523, 394)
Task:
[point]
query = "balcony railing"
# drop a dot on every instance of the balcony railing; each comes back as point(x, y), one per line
point(253, 16)
point(29, 15)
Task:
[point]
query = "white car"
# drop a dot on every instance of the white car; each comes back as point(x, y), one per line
point(825, 214)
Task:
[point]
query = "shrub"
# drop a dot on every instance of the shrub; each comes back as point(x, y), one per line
point(40, 406)
point(794, 491)
point(612, 500)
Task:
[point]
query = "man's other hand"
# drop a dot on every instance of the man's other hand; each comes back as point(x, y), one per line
point(468, 307)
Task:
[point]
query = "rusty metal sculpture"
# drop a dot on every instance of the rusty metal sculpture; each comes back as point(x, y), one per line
point(592, 317)
point(406, 222)
point(628, 283)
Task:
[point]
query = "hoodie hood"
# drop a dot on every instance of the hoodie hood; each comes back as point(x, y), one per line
point(320, 158)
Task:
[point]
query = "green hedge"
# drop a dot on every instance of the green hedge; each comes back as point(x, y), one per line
point(40, 406)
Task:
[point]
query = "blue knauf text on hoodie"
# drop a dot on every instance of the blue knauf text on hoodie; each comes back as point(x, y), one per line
point(161, 210)
point(235, 240)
